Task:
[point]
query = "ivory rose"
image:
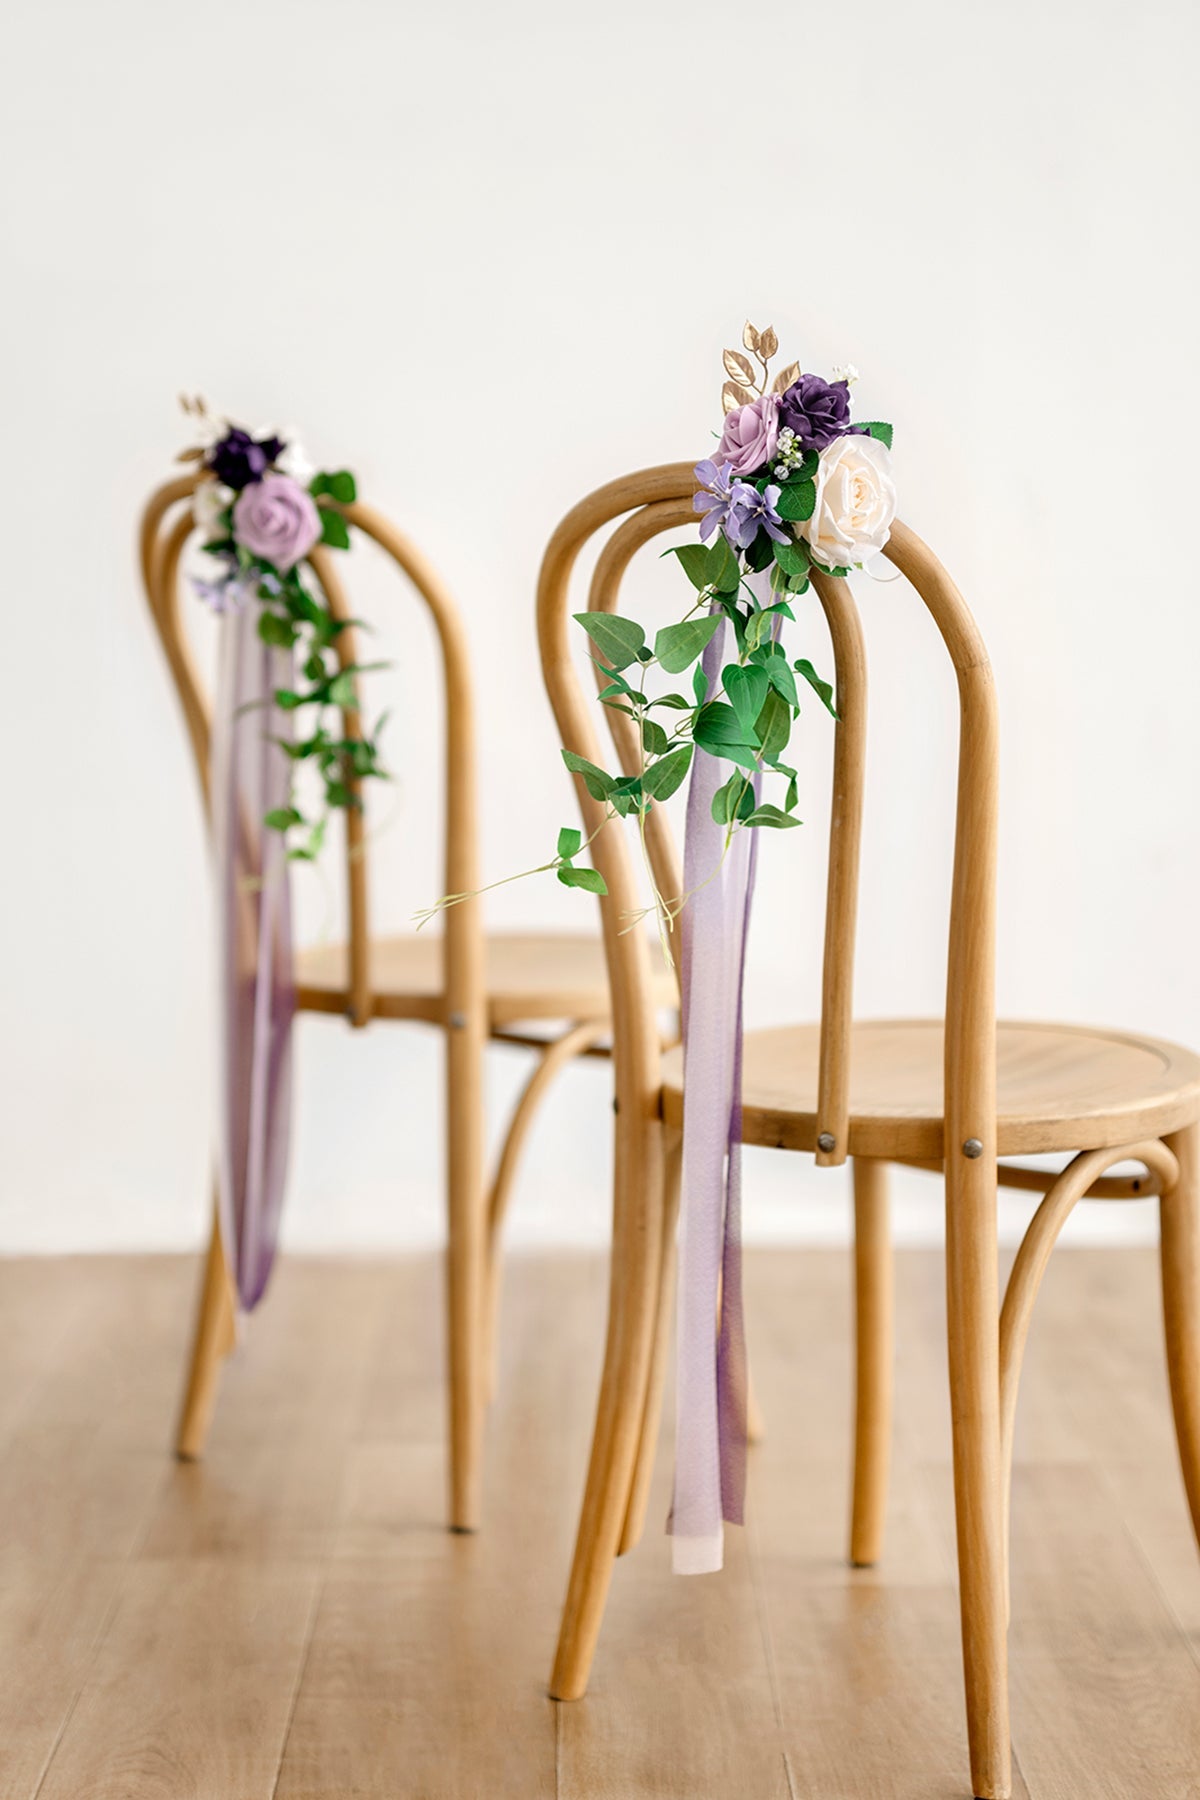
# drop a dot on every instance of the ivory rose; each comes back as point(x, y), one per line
point(277, 520)
point(855, 505)
point(750, 434)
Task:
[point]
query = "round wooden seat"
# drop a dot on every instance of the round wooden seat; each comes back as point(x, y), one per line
point(529, 976)
point(1059, 1087)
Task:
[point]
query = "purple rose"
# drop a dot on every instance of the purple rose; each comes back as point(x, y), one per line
point(748, 440)
point(276, 519)
point(818, 411)
point(238, 460)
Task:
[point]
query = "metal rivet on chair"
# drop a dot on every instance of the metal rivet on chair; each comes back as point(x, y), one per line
point(457, 1020)
point(973, 1148)
point(826, 1141)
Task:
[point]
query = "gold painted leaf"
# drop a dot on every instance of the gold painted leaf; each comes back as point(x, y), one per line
point(195, 454)
point(785, 378)
point(768, 343)
point(749, 336)
point(734, 394)
point(738, 366)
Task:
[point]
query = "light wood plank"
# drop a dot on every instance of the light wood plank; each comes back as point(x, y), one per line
point(192, 1689)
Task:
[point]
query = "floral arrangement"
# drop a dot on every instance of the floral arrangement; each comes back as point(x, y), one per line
point(261, 508)
point(792, 486)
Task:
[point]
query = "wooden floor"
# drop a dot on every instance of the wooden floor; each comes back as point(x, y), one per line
point(289, 1620)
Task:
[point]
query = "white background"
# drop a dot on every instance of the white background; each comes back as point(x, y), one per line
point(488, 255)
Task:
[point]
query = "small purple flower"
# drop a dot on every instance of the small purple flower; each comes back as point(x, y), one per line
point(713, 501)
point(238, 461)
point(229, 590)
point(818, 411)
point(750, 512)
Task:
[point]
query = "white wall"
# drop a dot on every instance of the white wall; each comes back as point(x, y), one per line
point(488, 256)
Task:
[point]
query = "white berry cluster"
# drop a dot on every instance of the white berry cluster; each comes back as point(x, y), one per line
point(788, 453)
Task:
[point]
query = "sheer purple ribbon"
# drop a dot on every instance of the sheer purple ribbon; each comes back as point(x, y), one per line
point(250, 777)
point(710, 1441)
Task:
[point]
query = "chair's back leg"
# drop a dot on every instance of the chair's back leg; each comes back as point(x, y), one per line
point(214, 1337)
point(873, 1358)
point(1180, 1216)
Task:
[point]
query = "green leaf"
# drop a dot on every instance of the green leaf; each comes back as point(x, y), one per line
point(877, 429)
point(758, 556)
point(569, 841)
point(678, 646)
point(590, 879)
point(337, 793)
point(699, 685)
point(677, 702)
point(694, 561)
point(774, 662)
point(792, 558)
point(274, 630)
point(664, 776)
point(333, 529)
point(598, 784)
point(733, 801)
point(773, 726)
point(823, 689)
point(771, 815)
point(655, 741)
point(617, 639)
point(281, 818)
point(725, 571)
point(341, 691)
point(342, 487)
point(719, 731)
point(287, 700)
point(745, 689)
point(797, 503)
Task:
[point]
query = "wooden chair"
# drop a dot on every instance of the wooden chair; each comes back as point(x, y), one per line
point(953, 1097)
point(472, 987)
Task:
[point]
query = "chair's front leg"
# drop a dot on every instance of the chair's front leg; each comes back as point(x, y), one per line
point(632, 1317)
point(639, 1492)
point(1180, 1224)
point(973, 1324)
point(873, 1355)
point(214, 1336)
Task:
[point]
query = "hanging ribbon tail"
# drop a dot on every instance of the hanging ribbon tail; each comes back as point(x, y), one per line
point(251, 777)
point(710, 1454)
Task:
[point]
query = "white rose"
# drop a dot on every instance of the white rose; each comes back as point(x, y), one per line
point(208, 503)
point(856, 503)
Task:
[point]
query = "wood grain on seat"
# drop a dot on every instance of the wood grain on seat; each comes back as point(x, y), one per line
point(1059, 1087)
point(542, 976)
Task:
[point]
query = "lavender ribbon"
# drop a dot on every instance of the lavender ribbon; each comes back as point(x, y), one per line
point(250, 777)
point(710, 1447)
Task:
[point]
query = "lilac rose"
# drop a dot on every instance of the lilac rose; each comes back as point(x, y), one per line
point(750, 434)
point(818, 411)
point(276, 519)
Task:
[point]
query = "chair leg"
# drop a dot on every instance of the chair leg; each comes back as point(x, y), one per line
point(466, 1272)
point(1180, 1215)
point(873, 1355)
point(558, 1053)
point(974, 1342)
point(214, 1337)
point(633, 1308)
point(639, 1494)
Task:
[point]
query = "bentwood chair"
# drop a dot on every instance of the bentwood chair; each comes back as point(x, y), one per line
point(470, 986)
point(952, 1096)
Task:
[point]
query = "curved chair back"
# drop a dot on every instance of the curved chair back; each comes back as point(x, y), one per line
point(166, 527)
point(659, 500)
